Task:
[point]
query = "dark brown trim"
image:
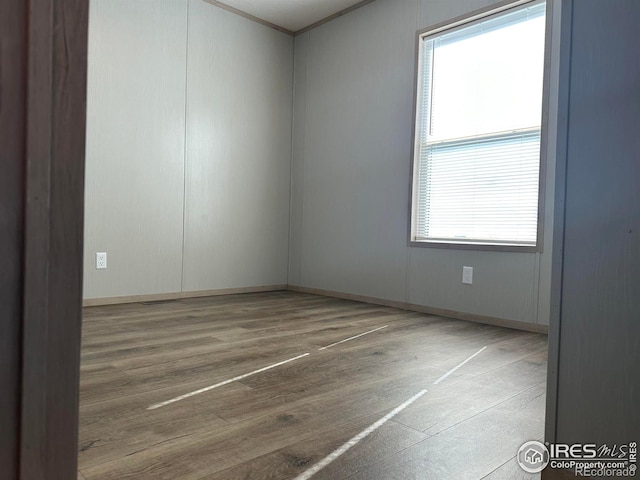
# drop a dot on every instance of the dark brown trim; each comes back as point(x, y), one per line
point(241, 13)
point(55, 144)
point(36, 265)
point(13, 39)
point(333, 16)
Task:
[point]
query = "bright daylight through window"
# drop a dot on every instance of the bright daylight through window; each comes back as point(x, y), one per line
point(477, 138)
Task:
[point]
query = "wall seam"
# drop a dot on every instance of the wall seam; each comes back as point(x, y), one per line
point(304, 153)
point(293, 104)
point(185, 151)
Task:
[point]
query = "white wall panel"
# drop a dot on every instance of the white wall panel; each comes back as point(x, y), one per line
point(188, 150)
point(135, 146)
point(503, 282)
point(239, 98)
point(357, 141)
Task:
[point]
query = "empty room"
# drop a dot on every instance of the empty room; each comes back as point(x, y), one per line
point(320, 239)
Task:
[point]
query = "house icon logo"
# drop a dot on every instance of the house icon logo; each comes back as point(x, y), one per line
point(533, 457)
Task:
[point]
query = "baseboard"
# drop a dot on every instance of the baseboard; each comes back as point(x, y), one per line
point(499, 322)
point(441, 312)
point(94, 302)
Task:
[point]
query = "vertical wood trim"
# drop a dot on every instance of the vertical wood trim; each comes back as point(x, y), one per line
point(38, 152)
point(56, 109)
point(12, 120)
point(559, 219)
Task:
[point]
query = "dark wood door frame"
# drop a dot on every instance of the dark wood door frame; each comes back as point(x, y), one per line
point(43, 63)
point(12, 120)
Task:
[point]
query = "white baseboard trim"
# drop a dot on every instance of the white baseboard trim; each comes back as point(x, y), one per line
point(441, 312)
point(158, 297)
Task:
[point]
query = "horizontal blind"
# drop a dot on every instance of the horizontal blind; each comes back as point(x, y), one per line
point(476, 172)
point(483, 190)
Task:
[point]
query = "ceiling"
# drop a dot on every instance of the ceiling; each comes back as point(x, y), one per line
point(292, 15)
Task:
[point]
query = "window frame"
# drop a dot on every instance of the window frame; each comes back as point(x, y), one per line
point(456, 22)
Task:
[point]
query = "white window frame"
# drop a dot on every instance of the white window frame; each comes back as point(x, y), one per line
point(479, 15)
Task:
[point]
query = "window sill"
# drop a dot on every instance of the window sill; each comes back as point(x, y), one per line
point(477, 246)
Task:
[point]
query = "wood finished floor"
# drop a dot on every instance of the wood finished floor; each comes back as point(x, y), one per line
point(279, 423)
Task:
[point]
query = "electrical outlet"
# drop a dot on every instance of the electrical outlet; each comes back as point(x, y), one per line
point(467, 275)
point(101, 260)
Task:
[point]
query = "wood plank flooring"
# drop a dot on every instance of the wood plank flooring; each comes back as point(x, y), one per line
point(279, 423)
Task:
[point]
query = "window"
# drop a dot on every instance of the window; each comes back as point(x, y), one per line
point(476, 168)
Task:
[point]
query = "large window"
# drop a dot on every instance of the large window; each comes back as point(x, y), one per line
point(476, 162)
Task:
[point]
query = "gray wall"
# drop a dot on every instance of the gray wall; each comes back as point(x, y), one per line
point(188, 149)
point(598, 342)
point(353, 109)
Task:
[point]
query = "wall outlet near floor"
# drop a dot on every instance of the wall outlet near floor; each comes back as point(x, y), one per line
point(101, 260)
point(467, 275)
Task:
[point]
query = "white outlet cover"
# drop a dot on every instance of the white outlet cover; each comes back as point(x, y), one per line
point(101, 260)
point(467, 275)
